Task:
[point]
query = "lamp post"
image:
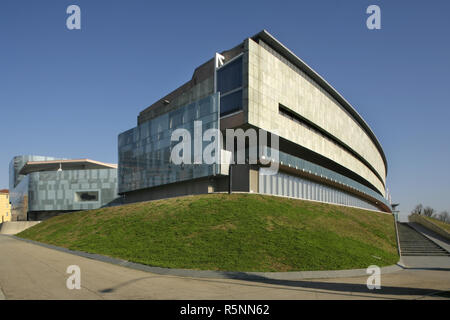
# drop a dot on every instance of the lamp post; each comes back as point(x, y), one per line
point(395, 212)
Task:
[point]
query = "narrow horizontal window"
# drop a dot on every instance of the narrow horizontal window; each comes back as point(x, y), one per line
point(86, 196)
point(292, 115)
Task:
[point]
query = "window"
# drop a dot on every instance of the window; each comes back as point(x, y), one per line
point(86, 196)
point(229, 84)
point(229, 77)
point(284, 111)
point(231, 103)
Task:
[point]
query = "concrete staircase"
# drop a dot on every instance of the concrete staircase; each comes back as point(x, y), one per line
point(413, 243)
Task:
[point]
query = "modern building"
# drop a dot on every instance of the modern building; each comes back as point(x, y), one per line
point(327, 152)
point(41, 187)
point(5, 206)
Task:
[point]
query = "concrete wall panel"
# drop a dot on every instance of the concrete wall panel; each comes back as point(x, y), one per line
point(272, 82)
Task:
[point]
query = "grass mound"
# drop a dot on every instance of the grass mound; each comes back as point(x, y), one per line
point(238, 232)
point(442, 224)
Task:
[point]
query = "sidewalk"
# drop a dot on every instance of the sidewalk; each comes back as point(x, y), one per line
point(36, 272)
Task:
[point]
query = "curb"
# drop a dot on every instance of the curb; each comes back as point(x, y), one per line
point(290, 276)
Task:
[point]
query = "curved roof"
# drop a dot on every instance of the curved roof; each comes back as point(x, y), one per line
point(54, 165)
point(289, 55)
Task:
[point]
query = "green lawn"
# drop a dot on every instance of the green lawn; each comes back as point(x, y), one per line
point(238, 232)
point(442, 224)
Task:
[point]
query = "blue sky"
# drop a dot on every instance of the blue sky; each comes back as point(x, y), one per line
point(70, 93)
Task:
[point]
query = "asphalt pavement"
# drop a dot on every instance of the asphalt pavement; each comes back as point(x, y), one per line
point(30, 271)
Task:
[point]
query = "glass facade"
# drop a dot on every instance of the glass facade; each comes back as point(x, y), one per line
point(229, 84)
point(17, 164)
point(18, 197)
point(19, 185)
point(57, 191)
point(304, 165)
point(145, 151)
point(231, 103)
point(282, 184)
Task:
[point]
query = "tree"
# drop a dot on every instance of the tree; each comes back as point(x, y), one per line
point(417, 209)
point(444, 216)
point(428, 211)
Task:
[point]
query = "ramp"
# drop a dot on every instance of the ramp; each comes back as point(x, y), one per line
point(14, 227)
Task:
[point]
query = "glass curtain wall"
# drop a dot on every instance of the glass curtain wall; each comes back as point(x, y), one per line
point(301, 164)
point(145, 151)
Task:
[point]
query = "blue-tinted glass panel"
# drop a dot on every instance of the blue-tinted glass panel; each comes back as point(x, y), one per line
point(301, 164)
point(231, 102)
point(144, 162)
point(54, 190)
point(229, 77)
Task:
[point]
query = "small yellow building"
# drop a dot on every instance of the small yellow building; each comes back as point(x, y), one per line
point(5, 206)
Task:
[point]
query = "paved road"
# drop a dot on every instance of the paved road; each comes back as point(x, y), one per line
point(29, 271)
